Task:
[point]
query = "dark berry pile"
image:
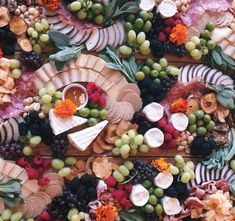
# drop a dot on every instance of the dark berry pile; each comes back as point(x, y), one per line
point(145, 171)
point(11, 151)
point(76, 194)
point(7, 41)
point(60, 145)
point(151, 92)
point(152, 217)
point(31, 60)
point(170, 47)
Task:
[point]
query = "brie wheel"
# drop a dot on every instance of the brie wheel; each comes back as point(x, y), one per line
point(153, 112)
point(154, 137)
point(179, 121)
point(163, 180)
point(171, 206)
point(139, 195)
point(167, 8)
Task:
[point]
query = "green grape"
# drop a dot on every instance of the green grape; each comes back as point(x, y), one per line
point(34, 34)
point(180, 166)
point(144, 15)
point(30, 219)
point(84, 112)
point(70, 161)
point(75, 218)
point(144, 148)
point(210, 126)
point(147, 26)
point(30, 31)
point(97, 8)
point(72, 212)
point(145, 46)
point(16, 216)
point(131, 18)
point(131, 36)
point(99, 19)
point(152, 199)
point(192, 174)
point(232, 164)
point(195, 53)
point(185, 177)
point(118, 176)
point(141, 37)
point(129, 165)
point(116, 151)
point(6, 214)
point(139, 139)
point(139, 76)
point(149, 62)
point(51, 90)
point(75, 6)
point(139, 23)
point(192, 119)
point(46, 107)
point(158, 209)
point(157, 67)
point(190, 164)
point(128, 26)
point(163, 62)
point(123, 170)
point(94, 113)
point(125, 50)
point(146, 52)
point(125, 139)
point(81, 215)
point(92, 121)
point(103, 114)
point(57, 164)
point(195, 40)
point(146, 69)
point(41, 44)
point(179, 159)
point(187, 168)
point(174, 170)
point(46, 99)
point(151, 190)
point(174, 71)
point(131, 133)
point(158, 192)
point(147, 183)
point(118, 143)
point(82, 14)
point(148, 208)
point(16, 73)
point(44, 37)
point(125, 149)
point(190, 46)
point(45, 24)
point(35, 140)
point(14, 63)
point(58, 94)
point(38, 27)
point(37, 49)
point(199, 114)
point(64, 172)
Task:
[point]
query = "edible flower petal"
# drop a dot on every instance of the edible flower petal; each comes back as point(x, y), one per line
point(106, 213)
point(161, 165)
point(65, 108)
point(179, 34)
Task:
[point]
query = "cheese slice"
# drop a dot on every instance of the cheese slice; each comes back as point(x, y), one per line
point(230, 50)
point(73, 74)
point(50, 69)
point(32, 185)
point(219, 33)
point(91, 61)
point(15, 171)
point(72, 64)
point(99, 65)
point(65, 78)
point(38, 82)
point(57, 81)
point(8, 168)
point(23, 176)
point(2, 164)
point(82, 139)
point(83, 75)
point(60, 125)
point(81, 60)
point(24, 193)
point(42, 74)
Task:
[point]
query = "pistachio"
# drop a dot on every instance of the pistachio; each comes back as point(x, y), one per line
point(26, 108)
point(36, 106)
point(31, 107)
point(41, 115)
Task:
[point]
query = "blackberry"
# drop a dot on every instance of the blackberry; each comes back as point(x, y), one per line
point(30, 60)
point(181, 190)
point(46, 133)
point(171, 192)
point(11, 150)
point(11, 38)
point(203, 147)
point(68, 1)
point(8, 49)
point(34, 129)
point(2, 34)
point(60, 145)
point(23, 129)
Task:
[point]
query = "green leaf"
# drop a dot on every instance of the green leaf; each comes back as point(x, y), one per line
point(60, 65)
point(67, 54)
point(226, 102)
point(227, 94)
point(12, 202)
point(216, 57)
point(58, 38)
point(131, 216)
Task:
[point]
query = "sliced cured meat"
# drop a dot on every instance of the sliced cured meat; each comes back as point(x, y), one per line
point(100, 42)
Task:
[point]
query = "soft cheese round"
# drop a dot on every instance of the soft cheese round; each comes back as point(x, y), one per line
point(153, 111)
point(179, 121)
point(171, 206)
point(163, 180)
point(154, 137)
point(139, 195)
point(167, 8)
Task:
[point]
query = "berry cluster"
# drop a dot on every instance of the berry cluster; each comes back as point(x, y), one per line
point(11, 150)
point(44, 216)
point(35, 168)
point(31, 60)
point(95, 94)
point(170, 133)
point(8, 40)
point(60, 145)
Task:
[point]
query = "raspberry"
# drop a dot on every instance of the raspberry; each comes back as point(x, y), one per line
point(91, 86)
point(169, 128)
point(118, 194)
point(94, 98)
point(169, 22)
point(128, 205)
point(102, 101)
point(22, 161)
point(99, 90)
point(167, 30)
point(177, 16)
point(172, 144)
point(43, 181)
point(123, 201)
point(46, 163)
point(111, 182)
point(176, 133)
point(32, 173)
point(178, 21)
point(128, 187)
point(167, 137)
point(162, 37)
point(37, 160)
point(44, 215)
point(162, 123)
point(120, 187)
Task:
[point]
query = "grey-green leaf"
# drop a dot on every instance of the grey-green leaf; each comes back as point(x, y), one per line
point(227, 93)
point(226, 102)
point(65, 55)
point(58, 38)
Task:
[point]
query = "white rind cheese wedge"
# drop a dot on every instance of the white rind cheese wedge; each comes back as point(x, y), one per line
point(60, 125)
point(82, 139)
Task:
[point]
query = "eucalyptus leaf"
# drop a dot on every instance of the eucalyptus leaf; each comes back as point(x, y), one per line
point(58, 38)
point(131, 216)
point(226, 102)
point(219, 87)
point(227, 94)
point(65, 55)
point(60, 65)
point(216, 57)
point(12, 202)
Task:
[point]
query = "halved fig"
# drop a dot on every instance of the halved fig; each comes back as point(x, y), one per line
point(221, 113)
point(111, 135)
point(209, 103)
point(193, 105)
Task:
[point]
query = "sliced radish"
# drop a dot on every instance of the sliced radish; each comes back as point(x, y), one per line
point(105, 40)
point(3, 134)
point(54, 20)
point(184, 73)
point(100, 40)
point(60, 25)
point(86, 36)
point(73, 33)
point(49, 13)
point(9, 131)
point(93, 40)
point(78, 37)
point(200, 72)
point(111, 34)
point(117, 35)
point(15, 128)
point(121, 32)
point(190, 73)
point(204, 73)
point(210, 75)
point(67, 30)
point(216, 77)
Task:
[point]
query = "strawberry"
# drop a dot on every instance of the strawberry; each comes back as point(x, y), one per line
point(118, 194)
point(91, 86)
point(167, 137)
point(94, 98)
point(162, 37)
point(172, 144)
point(46, 163)
point(176, 133)
point(111, 182)
point(120, 187)
point(128, 205)
point(43, 181)
point(32, 173)
point(99, 90)
point(22, 161)
point(44, 215)
point(37, 160)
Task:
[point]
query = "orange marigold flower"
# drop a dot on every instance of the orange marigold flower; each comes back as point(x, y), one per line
point(106, 213)
point(161, 165)
point(51, 4)
point(179, 34)
point(65, 108)
point(179, 105)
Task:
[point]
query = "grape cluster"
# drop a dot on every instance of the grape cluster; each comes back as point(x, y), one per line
point(11, 151)
point(173, 48)
point(8, 215)
point(91, 10)
point(145, 171)
point(60, 145)
point(77, 194)
point(15, 68)
point(130, 143)
point(197, 47)
point(30, 60)
point(123, 171)
point(38, 35)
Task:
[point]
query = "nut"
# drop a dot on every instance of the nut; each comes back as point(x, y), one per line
point(41, 115)
point(31, 107)
point(25, 115)
point(36, 106)
point(36, 99)
point(23, 8)
point(180, 148)
point(31, 11)
point(190, 139)
point(26, 14)
point(27, 108)
point(184, 143)
point(17, 11)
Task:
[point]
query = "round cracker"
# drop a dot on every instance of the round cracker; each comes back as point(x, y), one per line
point(131, 86)
point(134, 100)
point(54, 190)
point(102, 167)
point(123, 93)
point(129, 111)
